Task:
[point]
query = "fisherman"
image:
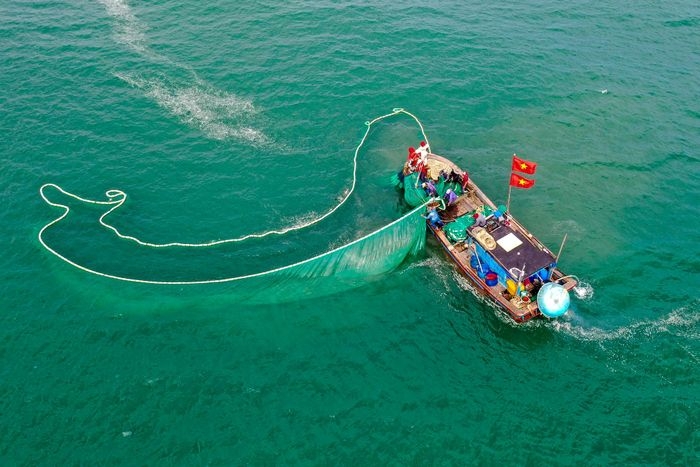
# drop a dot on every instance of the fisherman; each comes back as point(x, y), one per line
point(465, 180)
point(401, 175)
point(498, 215)
point(451, 177)
point(412, 159)
point(479, 219)
point(434, 218)
point(429, 188)
point(423, 150)
point(411, 151)
point(450, 197)
point(422, 170)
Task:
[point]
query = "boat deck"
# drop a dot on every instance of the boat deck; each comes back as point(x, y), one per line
point(518, 309)
point(464, 205)
point(507, 243)
point(515, 250)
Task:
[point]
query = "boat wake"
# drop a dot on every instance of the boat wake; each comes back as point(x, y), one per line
point(681, 322)
point(218, 114)
point(127, 29)
point(584, 291)
point(432, 263)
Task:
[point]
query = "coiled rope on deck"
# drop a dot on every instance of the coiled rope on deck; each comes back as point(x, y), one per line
point(116, 198)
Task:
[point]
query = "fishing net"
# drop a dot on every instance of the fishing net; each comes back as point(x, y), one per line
point(347, 267)
point(457, 230)
point(414, 193)
point(336, 270)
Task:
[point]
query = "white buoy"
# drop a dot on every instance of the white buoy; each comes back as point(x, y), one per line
point(553, 300)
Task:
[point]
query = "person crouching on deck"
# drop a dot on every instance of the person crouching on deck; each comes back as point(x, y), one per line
point(434, 218)
point(429, 188)
point(450, 197)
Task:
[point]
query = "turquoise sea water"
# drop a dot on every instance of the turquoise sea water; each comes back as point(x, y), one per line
point(220, 119)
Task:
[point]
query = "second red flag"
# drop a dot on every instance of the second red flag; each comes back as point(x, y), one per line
point(520, 182)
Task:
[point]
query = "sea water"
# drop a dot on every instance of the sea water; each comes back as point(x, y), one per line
point(220, 119)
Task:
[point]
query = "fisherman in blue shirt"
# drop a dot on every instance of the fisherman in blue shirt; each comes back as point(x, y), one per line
point(434, 218)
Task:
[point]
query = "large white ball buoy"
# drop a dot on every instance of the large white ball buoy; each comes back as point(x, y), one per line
point(553, 300)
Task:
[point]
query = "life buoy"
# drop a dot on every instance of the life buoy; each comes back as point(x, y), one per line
point(484, 238)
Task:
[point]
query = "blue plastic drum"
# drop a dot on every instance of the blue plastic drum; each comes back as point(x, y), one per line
point(491, 279)
point(481, 268)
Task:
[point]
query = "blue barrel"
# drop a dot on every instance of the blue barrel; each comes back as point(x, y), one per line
point(473, 262)
point(481, 268)
point(491, 279)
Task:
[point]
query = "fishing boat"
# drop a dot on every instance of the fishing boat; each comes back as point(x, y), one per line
point(502, 260)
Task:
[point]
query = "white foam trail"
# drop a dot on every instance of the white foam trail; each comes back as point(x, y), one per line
point(195, 104)
point(297, 221)
point(127, 30)
point(430, 262)
point(570, 227)
point(584, 291)
point(216, 113)
point(680, 322)
point(465, 284)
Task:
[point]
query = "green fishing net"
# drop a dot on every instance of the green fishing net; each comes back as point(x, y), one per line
point(414, 193)
point(457, 230)
point(349, 266)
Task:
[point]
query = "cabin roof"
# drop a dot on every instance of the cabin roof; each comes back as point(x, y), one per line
point(513, 250)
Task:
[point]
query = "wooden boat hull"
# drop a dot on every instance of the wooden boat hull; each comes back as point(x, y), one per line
point(494, 294)
point(507, 244)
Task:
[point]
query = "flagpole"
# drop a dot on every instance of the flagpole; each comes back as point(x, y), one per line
point(510, 188)
point(520, 165)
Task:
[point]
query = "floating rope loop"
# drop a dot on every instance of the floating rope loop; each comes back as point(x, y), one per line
point(116, 198)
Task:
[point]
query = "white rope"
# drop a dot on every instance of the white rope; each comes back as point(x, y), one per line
point(117, 197)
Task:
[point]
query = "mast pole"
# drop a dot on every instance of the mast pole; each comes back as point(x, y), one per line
point(561, 247)
point(520, 280)
point(510, 188)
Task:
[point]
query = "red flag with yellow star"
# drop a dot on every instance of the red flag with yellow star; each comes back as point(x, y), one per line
point(521, 165)
point(520, 182)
